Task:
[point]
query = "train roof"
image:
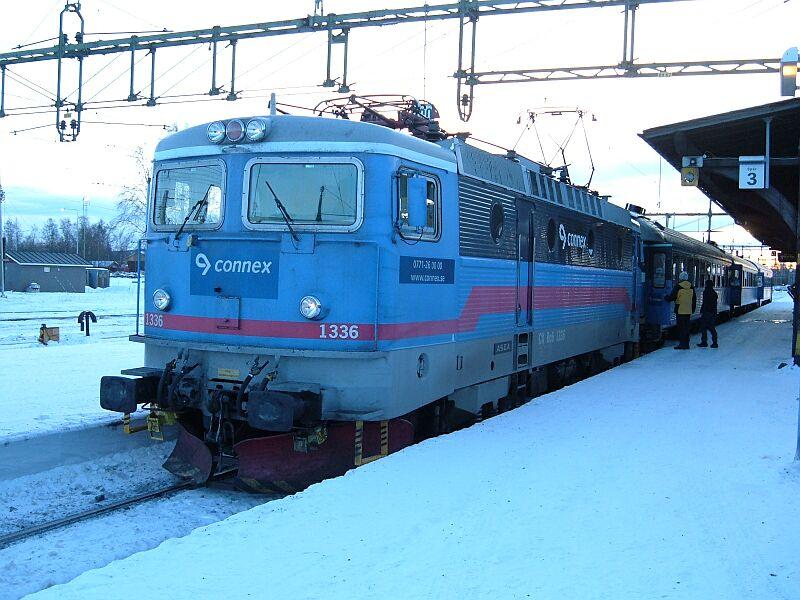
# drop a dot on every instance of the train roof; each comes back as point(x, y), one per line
point(745, 262)
point(290, 133)
point(656, 233)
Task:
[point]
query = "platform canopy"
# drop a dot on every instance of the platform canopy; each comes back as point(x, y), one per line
point(770, 215)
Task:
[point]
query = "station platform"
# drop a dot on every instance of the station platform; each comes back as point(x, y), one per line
point(668, 477)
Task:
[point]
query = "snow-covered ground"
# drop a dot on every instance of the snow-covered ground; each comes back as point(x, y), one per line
point(53, 388)
point(59, 455)
point(22, 314)
point(668, 477)
point(59, 556)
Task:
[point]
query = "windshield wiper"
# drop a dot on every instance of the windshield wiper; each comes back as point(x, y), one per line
point(195, 208)
point(319, 204)
point(284, 212)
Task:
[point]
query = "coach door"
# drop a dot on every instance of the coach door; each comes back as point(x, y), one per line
point(526, 244)
point(735, 283)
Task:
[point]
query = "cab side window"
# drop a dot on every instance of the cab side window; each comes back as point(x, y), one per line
point(431, 230)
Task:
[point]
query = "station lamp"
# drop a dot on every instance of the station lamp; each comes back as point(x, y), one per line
point(789, 72)
point(690, 170)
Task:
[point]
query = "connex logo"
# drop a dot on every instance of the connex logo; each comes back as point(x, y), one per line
point(233, 266)
point(203, 262)
point(573, 240)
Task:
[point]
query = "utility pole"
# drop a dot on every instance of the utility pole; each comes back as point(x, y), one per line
point(2, 247)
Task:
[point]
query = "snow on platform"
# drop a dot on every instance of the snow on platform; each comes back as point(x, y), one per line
point(668, 477)
point(53, 388)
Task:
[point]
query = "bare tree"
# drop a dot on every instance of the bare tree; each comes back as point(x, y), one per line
point(132, 200)
point(13, 234)
point(50, 236)
point(31, 240)
point(67, 233)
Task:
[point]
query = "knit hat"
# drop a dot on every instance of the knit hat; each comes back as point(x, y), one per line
point(684, 276)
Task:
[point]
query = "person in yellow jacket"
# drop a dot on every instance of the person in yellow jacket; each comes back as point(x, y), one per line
point(685, 304)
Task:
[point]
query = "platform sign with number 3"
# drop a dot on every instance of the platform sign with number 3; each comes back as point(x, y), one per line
point(751, 173)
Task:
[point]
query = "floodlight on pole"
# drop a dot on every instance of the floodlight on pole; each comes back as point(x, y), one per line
point(789, 72)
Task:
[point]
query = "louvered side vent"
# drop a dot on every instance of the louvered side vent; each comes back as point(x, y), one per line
point(475, 205)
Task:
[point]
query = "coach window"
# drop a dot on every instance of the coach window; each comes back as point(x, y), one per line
point(190, 194)
point(430, 231)
point(659, 269)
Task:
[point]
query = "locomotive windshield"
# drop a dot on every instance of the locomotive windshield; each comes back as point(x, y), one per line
point(190, 195)
point(312, 193)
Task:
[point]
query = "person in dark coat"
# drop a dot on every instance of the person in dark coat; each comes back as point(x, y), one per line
point(708, 316)
point(685, 304)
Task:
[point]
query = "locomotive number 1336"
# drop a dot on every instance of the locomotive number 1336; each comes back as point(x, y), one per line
point(335, 331)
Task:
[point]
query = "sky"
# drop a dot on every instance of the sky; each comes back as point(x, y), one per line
point(42, 176)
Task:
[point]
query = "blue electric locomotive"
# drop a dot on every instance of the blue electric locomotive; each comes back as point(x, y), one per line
point(323, 291)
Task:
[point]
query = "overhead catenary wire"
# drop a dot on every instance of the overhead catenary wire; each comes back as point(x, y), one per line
point(182, 79)
point(286, 65)
point(130, 14)
point(116, 79)
point(31, 85)
point(125, 124)
point(16, 131)
point(159, 77)
point(47, 13)
point(273, 56)
point(96, 73)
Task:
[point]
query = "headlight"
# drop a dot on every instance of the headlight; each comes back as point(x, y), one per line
point(310, 307)
point(216, 132)
point(161, 299)
point(256, 130)
point(235, 130)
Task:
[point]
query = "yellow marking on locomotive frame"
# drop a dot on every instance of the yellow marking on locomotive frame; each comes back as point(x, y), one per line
point(225, 373)
point(360, 459)
point(156, 422)
point(129, 428)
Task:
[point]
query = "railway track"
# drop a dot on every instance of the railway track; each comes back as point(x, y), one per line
point(23, 534)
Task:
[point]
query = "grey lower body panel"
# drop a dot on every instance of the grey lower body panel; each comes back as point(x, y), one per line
point(389, 384)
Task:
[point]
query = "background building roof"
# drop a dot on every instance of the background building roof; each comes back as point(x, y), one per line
point(61, 259)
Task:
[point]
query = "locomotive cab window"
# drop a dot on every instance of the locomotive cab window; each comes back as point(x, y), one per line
point(310, 194)
point(430, 230)
point(190, 194)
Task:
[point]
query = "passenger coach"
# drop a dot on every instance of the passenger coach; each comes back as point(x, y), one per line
point(740, 284)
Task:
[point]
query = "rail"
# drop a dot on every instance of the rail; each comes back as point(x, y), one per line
point(28, 532)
